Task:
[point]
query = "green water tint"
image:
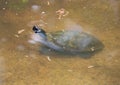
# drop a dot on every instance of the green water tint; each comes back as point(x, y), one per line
point(15, 5)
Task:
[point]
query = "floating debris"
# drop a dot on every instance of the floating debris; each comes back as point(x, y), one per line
point(3, 8)
point(20, 31)
point(43, 12)
point(16, 14)
point(70, 70)
point(91, 66)
point(48, 57)
point(6, 2)
point(26, 56)
point(62, 13)
point(16, 35)
point(63, 30)
point(48, 3)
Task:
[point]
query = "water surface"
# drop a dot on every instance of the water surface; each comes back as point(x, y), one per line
point(22, 63)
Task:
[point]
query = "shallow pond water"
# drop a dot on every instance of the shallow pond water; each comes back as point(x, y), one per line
point(22, 63)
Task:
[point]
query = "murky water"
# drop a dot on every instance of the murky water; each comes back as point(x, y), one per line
point(22, 63)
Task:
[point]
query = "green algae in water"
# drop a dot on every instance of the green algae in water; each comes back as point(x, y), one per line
point(18, 5)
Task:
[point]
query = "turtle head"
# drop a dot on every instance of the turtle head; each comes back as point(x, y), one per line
point(39, 31)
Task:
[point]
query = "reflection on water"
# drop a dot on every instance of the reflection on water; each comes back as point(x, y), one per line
point(21, 63)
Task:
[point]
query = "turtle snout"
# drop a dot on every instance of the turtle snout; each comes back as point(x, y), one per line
point(35, 29)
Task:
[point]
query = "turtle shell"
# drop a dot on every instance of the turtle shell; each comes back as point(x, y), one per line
point(75, 41)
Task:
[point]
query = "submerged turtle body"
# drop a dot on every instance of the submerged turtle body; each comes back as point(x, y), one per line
point(75, 41)
point(70, 41)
